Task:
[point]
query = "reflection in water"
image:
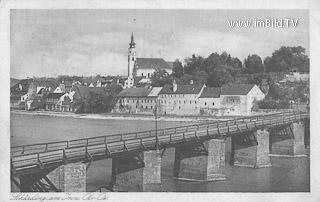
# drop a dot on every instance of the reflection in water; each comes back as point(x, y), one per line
point(286, 174)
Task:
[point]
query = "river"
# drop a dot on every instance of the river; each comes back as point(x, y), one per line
point(285, 175)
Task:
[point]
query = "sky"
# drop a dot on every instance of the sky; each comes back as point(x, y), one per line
point(48, 43)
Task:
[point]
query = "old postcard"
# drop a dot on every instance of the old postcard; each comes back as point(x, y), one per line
point(165, 101)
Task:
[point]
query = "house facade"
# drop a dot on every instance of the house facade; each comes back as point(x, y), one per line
point(51, 101)
point(137, 100)
point(209, 101)
point(180, 99)
point(239, 99)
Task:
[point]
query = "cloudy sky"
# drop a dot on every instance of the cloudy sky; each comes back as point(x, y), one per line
point(91, 42)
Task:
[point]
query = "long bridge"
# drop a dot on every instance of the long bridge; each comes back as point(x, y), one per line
point(199, 153)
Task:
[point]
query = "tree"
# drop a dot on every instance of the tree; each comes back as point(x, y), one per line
point(177, 69)
point(193, 64)
point(219, 76)
point(160, 77)
point(287, 59)
point(253, 64)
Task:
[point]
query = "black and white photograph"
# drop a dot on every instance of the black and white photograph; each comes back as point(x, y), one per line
point(164, 98)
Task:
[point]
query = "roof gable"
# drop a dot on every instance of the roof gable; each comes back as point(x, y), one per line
point(182, 89)
point(135, 92)
point(210, 92)
point(151, 63)
point(236, 89)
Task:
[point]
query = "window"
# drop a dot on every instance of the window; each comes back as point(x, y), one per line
point(151, 107)
point(179, 107)
point(205, 103)
point(132, 59)
point(213, 104)
point(141, 74)
point(184, 102)
point(195, 102)
point(190, 101)
point(141, 101)
point(148, 75)
point(146, 107)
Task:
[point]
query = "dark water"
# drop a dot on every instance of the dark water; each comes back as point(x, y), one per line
point(285, 175)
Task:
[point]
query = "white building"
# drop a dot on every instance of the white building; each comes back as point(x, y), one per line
point(209, 101)
point(238, 99)
point(180, 99)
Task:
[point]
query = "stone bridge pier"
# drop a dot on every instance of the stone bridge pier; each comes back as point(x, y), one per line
point(137, 172)
point(250, 149)
point(288, 140)
point(202, 162)
point(65, 178)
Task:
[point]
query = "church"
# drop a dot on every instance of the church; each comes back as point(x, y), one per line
point(143, 68)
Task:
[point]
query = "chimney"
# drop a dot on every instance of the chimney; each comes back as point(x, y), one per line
point(174, 86)
point(191, 81)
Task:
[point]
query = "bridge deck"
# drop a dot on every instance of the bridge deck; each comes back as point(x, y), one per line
point(34, 158)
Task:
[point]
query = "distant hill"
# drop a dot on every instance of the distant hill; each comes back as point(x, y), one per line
point(13, 81)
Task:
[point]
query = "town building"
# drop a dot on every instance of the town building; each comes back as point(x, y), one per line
point(180, 99)
point(19, 93)
point(137, 100)
point(51, 101)
point(209, 101)
point(238, 99)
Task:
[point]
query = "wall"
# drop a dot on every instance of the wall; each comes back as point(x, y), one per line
point(233, 105)
point(145, 72)
point(179, 104)
point(136, 105)
point(208, 108)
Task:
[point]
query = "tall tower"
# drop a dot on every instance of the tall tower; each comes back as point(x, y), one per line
point(131, 57)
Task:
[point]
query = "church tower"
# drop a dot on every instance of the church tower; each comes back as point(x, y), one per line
point(131, 57)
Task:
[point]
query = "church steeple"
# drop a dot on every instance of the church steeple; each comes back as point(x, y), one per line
point(132, 44)
point(131, 57)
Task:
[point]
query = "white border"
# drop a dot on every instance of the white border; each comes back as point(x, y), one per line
point(314, 11)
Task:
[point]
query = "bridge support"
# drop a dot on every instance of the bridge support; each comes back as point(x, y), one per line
point(70, 177)
point(205, 162)
point(251, 149)
point(141, 172)
point(288, 140)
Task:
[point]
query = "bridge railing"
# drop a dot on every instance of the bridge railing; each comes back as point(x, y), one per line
point(107, 150)
point(41, 147)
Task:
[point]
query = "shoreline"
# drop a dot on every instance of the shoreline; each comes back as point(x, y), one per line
point(111, 116)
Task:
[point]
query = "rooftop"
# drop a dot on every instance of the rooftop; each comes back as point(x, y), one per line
point(55, 95)
point(210, 92)
point(152, 63)
point(236, 89)
point(182, 89)
point(135, 92)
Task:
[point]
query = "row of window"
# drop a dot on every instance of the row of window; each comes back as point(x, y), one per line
point(175, 96)
point(165, 102)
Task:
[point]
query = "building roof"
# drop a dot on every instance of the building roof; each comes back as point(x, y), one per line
point(182, 89)
point(236, 89)
point(55, 95)
point(25, 83)
point(135, 92)
point(155, 91)
point(151, 63)
point(210, 92)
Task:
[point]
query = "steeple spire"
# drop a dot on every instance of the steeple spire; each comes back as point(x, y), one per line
point(132, 44)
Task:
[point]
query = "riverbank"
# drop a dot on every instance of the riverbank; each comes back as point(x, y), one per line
point(118, 116)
